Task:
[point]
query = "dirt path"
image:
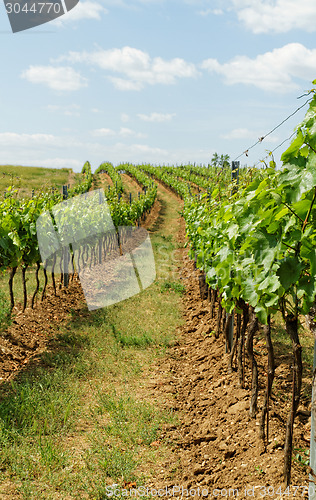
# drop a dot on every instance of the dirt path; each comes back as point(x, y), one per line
point(215, 447)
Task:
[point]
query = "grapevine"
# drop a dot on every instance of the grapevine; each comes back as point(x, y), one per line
point(257, 247)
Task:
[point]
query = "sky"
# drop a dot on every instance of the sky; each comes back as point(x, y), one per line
point(156, 81)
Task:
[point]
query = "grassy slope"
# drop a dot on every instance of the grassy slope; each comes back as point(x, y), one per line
point(27, 178)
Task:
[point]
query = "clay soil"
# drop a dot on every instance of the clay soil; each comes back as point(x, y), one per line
point(218, 444)
point(31, 330)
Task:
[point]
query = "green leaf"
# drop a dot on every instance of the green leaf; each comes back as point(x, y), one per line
point(293, 149)
point(262, 314)
point(301, 208)
point(289, 271)
point(270, 284)
point(249, 293)
point(281, 213)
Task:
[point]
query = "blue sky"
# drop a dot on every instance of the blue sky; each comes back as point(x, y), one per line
point(158, 81)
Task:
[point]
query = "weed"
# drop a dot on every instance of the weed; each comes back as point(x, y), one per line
point(302, 458)
point(259, 469)
point(125, 340)
point(174, 286)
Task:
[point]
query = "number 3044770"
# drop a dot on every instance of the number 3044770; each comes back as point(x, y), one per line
point(34, 8)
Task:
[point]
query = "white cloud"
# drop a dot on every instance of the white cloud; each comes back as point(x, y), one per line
point(70, 110)
point(13, 139)
point(136, 67)
point(156, 117)
point(38, 141)
point(280, 16)
point(245, 133)
point(273, 71)
point(76, 165)
point(127, 132)
point(143, 149)
point(207, 12)
point(148, 149)
point(125, 117)
point(83, 10)
point(123, 132)
point(103, 132)
point(62, 78)
point(122, 84)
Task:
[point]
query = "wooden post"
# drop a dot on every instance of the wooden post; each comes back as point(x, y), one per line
point(230, 337)
point(230, 318)
point(235, 176)
point(65, 266)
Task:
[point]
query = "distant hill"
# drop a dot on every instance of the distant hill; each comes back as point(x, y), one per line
point(25, 179)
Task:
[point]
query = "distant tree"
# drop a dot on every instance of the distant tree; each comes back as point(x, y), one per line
point(221, 161)
point(224, 161)
point(215, 160)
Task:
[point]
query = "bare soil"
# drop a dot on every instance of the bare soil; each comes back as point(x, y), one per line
point(31, 330)
point(217, 443)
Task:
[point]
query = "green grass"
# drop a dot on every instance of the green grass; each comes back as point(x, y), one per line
point(81, 416)
point(25, 179)
point(173, 286)
point(93, 375)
